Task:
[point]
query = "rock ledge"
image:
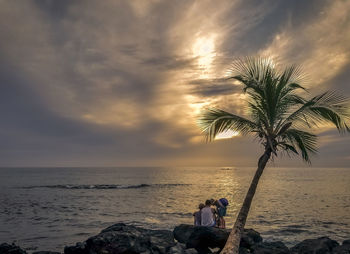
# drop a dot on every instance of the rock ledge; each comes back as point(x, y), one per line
point(185, 239)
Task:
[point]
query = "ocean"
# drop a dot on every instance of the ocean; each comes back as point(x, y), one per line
point(49, 208)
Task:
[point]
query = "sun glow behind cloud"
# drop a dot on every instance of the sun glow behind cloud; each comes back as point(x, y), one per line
point(204, 49)
point(227, 134)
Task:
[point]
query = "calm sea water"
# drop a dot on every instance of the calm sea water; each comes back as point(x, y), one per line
point(48, 208)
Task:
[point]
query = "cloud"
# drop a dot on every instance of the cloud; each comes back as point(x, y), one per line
point(122, 82)
point(213, 87)
point(320, 46)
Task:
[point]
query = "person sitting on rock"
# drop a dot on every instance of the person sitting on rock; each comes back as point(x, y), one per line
point(197, 215)
point(207, 215)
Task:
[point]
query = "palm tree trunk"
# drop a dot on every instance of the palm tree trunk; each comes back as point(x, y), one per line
point(233, 241)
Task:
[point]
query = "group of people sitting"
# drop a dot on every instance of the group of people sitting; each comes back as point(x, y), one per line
point(211, 214)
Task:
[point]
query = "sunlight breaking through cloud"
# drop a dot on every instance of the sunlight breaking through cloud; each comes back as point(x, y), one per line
point(227, 134)
point(204, 50)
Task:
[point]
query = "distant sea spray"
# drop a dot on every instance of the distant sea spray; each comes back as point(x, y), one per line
point(103, 186)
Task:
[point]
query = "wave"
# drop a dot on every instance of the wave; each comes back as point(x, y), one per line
point(101, 186)
point(228, 168)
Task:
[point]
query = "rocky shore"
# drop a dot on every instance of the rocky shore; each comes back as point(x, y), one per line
point(185, 239)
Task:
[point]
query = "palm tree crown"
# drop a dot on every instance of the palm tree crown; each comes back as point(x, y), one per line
point(276, 112)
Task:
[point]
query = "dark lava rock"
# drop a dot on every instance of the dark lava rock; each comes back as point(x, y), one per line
point(121, 238)
point(343, 249)
point(270, 248)
point(322, 245)
point(179, 248)
point(203, 238)
point(124, 239)
point(183, 232)
point(250, 238)
point(79, 248)
point(6, 248)
point(346, 242)
point(46, 252)
point(244, 250)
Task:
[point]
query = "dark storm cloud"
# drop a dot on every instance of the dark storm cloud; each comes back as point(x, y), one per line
point(341, 82)
point(169, 62)
point(213, 87)
point(57, 10)
point(31, 133)
point(121, 82)
point(264, 20)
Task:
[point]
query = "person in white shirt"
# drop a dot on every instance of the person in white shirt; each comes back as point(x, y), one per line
point(207, 215)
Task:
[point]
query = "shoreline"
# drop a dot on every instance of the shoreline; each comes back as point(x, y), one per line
point(184, 239)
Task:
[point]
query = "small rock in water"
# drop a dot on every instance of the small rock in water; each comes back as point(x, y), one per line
point(250, 238)
point(271, 248)
point(322, 245)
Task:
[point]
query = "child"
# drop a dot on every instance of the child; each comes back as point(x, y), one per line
point(221, 207)
point(220, 211)
point(198, 215)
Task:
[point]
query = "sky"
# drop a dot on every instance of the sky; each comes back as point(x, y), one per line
point(121, 83)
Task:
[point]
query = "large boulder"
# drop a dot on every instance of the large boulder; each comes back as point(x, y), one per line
point(6, 248)
point(322, 245)
point(204, 238)
point(183, 232)
point(270, 248)
point(123, 239)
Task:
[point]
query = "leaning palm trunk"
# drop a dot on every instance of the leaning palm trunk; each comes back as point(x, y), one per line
point(233, 241)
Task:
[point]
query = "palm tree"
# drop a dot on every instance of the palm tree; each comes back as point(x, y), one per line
point(276, 116)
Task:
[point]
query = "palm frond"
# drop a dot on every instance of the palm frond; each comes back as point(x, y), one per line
point(290, 79)
point(214, 121)
point(305, 142)
point(258, 114)
point(328, 107)
point(288, 148)
point(252, 72)
point(269, 90)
